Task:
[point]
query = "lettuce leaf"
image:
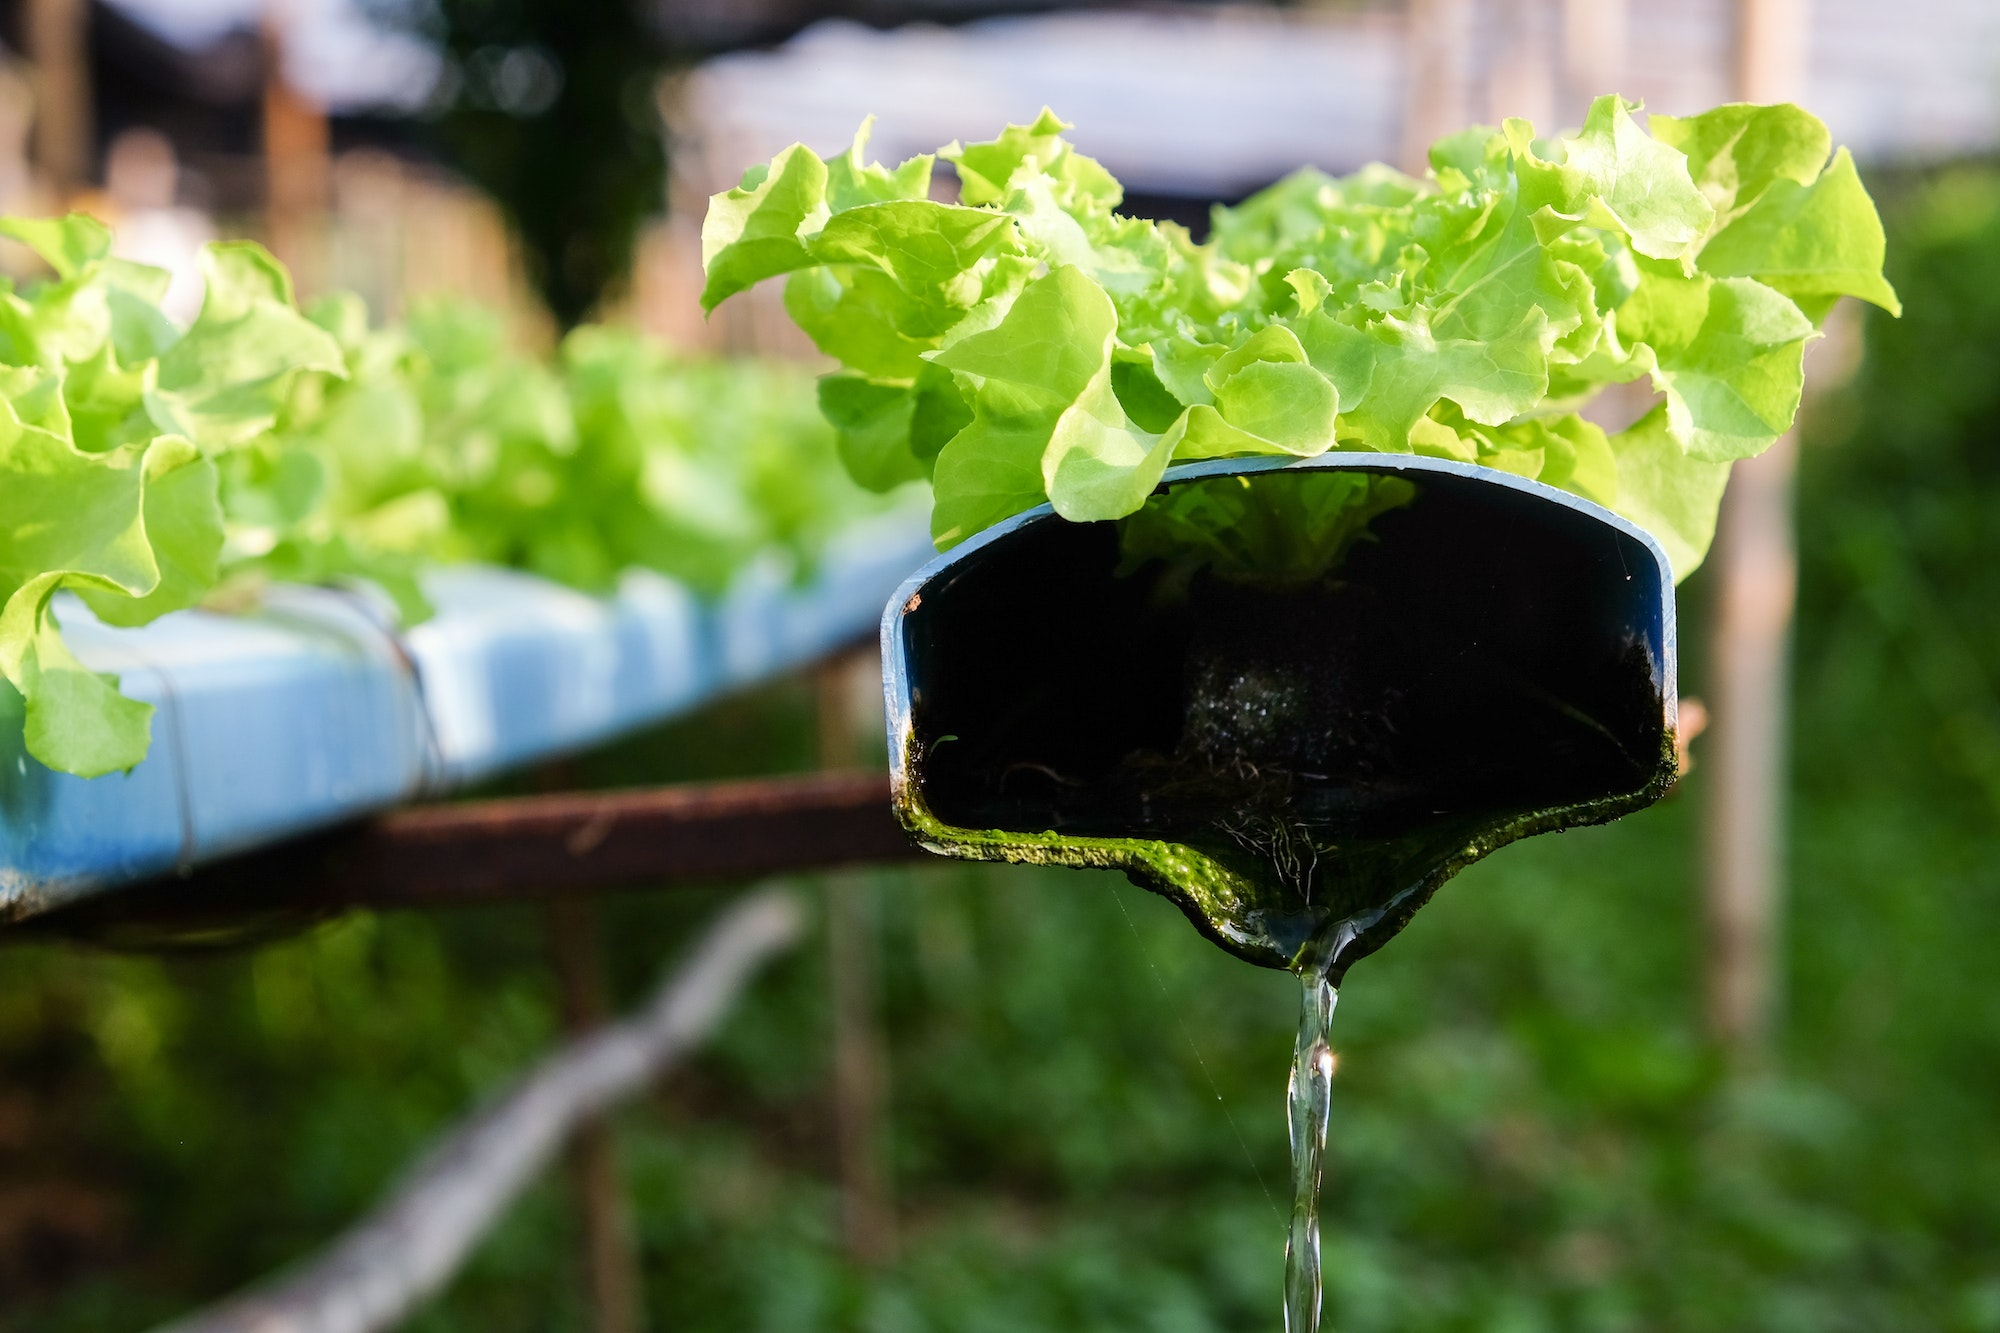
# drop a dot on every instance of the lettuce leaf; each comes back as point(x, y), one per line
point(1470, 314)
point(111, 423)
point(145, 467)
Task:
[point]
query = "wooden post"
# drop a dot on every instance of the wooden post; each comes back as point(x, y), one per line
point(56, 35)
point(1437, 49)
point(1593, 52)
point(1746, 747)
point(1756, 571)
point(1521, 77)
point(610, 1263)
point(860, 1049)
point(1771, 50)
point(297, 166)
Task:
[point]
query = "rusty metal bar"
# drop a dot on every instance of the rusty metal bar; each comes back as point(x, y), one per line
point(702, 833)
point(529, 848)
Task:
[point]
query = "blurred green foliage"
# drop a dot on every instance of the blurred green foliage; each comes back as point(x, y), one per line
point(1087, 1120)
point(445, 444)
point(549, 106)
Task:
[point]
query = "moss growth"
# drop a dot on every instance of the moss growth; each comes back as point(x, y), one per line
point(1253, 904)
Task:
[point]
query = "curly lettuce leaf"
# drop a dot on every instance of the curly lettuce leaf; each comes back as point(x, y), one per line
point(1468, 314)
point(135, 530)
point(1026, 375)
point(111, 418)
point(1672, 496)
point(226, 379)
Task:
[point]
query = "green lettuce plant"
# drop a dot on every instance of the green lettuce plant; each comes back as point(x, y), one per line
point(1029, 343)
point(146, 468)
point(112, 423)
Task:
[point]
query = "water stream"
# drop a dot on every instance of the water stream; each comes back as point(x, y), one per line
point(1309, 1093)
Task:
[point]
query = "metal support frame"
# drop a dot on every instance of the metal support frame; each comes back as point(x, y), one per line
point(522, 848)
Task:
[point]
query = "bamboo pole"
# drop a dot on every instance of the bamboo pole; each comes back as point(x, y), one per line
point(1437, 53)
point(1593, 57)
point(1771, 49)
point(860, 1047)
point(1521, 77)
point(57, 39)
point(376, 1274)
point(1746, 750)
point(298, 171)
point(1755, 576)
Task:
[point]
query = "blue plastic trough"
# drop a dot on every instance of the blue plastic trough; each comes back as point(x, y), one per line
point(315, 708)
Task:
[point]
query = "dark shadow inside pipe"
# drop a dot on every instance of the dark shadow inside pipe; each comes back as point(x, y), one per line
point(1489, 662)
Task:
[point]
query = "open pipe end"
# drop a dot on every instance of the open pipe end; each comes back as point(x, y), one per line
point(1299, 756)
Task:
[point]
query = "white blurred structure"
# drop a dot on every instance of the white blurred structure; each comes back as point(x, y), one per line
point(340, 53)
point(1211, 102)
point(1194, 102)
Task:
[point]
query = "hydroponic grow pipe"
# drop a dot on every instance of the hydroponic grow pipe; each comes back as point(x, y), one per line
point(314, 710)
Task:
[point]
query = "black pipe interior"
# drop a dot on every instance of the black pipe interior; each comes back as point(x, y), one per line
point(1487, 656)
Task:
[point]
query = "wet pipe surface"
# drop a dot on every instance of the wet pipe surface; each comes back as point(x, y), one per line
point(1299, 765)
